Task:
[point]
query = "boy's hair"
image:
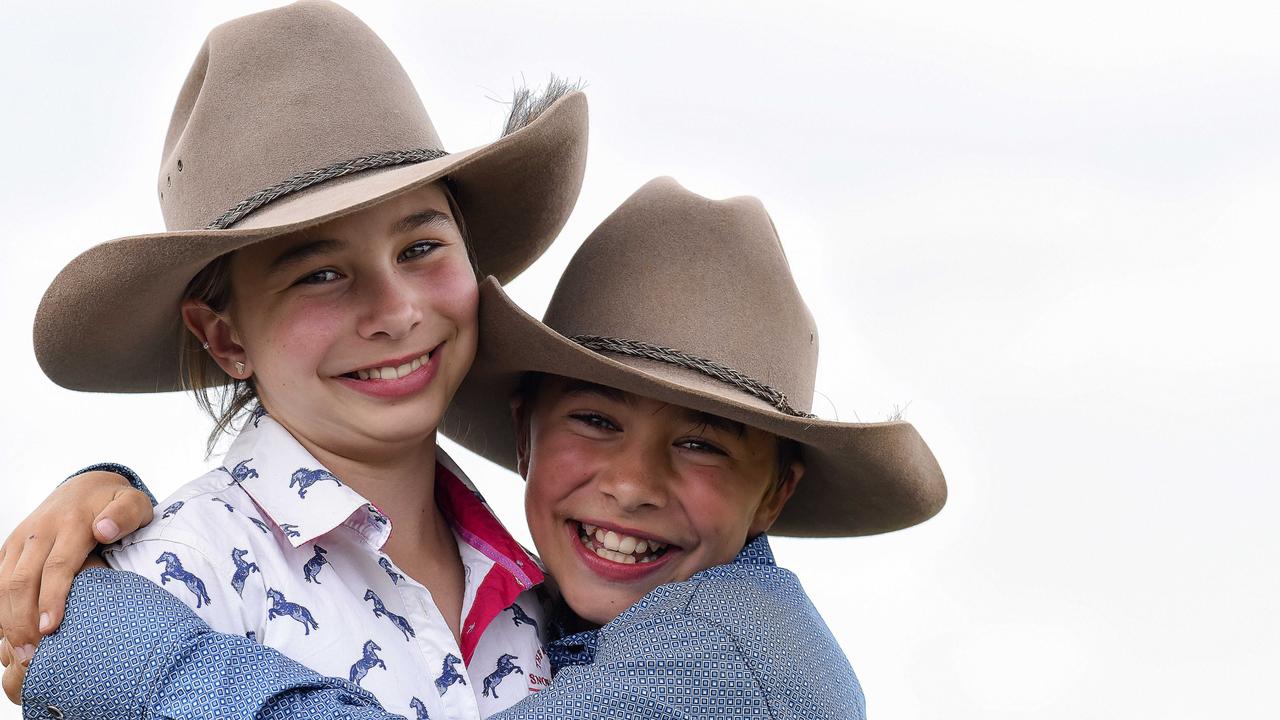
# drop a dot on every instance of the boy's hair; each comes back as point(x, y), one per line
point(225, 401)
point(788, 450)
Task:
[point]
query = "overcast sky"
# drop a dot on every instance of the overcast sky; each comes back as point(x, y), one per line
point(1046, 230)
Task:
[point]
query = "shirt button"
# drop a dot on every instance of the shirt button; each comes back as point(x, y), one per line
point(53, 712)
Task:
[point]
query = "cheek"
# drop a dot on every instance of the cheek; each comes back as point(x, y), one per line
point(291, 336)
point(453, 294)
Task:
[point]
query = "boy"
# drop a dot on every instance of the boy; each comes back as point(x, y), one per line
point(662, 427)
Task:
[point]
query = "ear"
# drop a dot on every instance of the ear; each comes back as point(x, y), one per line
point(775, 499)
point(520, 424)
point(215, 330)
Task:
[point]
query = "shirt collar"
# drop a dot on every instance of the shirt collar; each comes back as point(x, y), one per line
point(293, 490)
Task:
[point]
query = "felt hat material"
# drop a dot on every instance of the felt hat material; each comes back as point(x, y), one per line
point(703, 286)
point(289, 118)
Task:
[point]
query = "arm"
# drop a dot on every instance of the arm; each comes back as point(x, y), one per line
point(121, 626)
point(44, 552)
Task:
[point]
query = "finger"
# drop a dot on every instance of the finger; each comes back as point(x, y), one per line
point(128, 510)
point(6, 652)
point(7, 560)
point(24, 592)
point(13, 677)
point(65, 559)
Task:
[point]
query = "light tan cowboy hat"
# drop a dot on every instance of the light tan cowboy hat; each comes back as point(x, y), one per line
point(691, 301)
point(289, 118)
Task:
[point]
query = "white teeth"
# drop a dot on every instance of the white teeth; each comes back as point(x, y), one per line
point(626, 549)
point(393, 373)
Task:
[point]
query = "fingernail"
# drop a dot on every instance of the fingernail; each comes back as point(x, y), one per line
point(44, 622)
point(24, 653)
point(107, 529)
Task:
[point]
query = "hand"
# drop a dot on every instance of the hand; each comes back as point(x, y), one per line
point(42, 555)
point(16, 662)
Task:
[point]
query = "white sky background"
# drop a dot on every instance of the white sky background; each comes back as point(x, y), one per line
point(1049, 229)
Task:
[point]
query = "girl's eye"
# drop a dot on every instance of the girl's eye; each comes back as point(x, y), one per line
point(418, 249)
point(319, 277)
point(596, 421)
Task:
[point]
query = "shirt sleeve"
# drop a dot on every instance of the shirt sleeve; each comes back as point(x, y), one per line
point(592, 703)
point(122, 471)
point(127, 649)
point(176, 561)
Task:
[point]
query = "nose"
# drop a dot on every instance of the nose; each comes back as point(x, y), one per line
point(389, 306)
point(638, 478)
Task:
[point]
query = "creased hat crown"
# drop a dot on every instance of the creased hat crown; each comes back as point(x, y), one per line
point(280, 93)
point(708, 278)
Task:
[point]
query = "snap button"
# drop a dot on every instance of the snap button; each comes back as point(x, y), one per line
point(53, 712)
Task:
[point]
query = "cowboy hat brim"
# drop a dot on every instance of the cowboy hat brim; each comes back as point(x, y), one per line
point(860, 478)
point(109, 320)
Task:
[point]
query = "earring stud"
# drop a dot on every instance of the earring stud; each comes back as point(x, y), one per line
point(204, 346)
point(239, 366)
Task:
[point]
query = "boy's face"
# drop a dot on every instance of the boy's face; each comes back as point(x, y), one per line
point(626, 493)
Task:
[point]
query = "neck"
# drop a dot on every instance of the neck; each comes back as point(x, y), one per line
point(400, 482)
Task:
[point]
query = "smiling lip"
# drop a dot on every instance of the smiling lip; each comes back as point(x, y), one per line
point(398, 387)
point(616, 571)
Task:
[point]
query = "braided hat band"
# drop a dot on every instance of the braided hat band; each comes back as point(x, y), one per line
point(305, 180)
point(713, 370)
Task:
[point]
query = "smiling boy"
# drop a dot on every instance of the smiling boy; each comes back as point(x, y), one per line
point(662, 427)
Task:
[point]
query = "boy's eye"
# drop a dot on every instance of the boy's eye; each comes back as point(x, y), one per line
point(700, 445)
point(418, 249)
point(319, 277)
point(595, 420)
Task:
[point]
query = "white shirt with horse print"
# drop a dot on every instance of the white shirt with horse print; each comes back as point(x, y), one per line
point(275, 547)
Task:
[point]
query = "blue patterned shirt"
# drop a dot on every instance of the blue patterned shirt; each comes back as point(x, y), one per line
point(734, 641)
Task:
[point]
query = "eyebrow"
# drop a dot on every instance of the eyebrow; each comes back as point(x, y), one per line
point(715, 421)
point(580, 387)
point(302, 252)
point(422, 219)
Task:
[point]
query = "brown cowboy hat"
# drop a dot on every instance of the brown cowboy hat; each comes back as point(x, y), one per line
point(289, 118)
point(691, 301)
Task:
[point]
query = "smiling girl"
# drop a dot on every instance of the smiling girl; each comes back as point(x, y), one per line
point(317, 283)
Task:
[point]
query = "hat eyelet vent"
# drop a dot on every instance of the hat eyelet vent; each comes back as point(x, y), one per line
point(179, 164)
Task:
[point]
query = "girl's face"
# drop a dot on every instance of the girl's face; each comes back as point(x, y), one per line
point(357, 332)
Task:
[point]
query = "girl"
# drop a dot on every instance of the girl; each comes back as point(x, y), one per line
point(322, 254)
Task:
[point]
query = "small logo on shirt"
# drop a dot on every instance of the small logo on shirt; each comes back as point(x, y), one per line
point(283, 608)
point(366, 663)
point(305, 478)
point(449, 676)
point(173, 570)
point(243, 569)
point(505, 668)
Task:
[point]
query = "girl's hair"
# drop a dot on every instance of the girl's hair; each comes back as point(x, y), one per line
point(226, 401)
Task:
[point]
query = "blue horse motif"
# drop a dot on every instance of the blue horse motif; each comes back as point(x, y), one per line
point(225, 504)
point(419, 709)
point(312, 569)
point(391, 571)
point(252, 635)
point(259, 412)
point(505, 668)
point(380, 610)
point(305, 478)
point(241, 472)
point(366, 663)
point(377, 516)
point(519, 617)
point(290, 530)
point(448, 675)
point(243, 569)
point(261, 525)
point(283, 608)
point(172, 510)
point(173, 570)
